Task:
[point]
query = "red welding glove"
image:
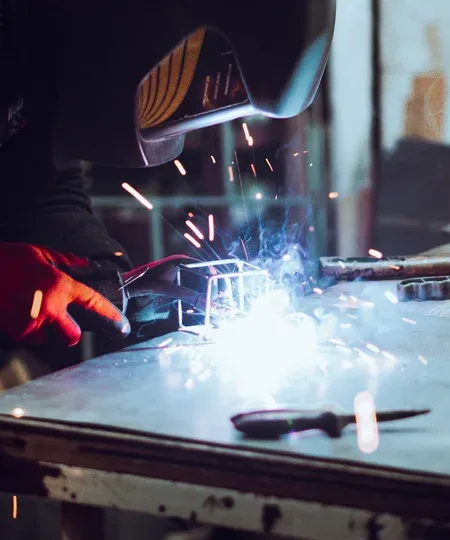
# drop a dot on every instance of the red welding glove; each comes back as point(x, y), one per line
point(35, 294)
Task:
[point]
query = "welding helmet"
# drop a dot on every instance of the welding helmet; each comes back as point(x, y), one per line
point(135, 76)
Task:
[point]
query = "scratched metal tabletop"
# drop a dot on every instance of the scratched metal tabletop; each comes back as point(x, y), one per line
point(180, 387)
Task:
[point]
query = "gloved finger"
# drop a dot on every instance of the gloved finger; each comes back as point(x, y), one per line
point(67, 329)
point(65, 259)
point(97, 312)
point(37, 335)
point(14, 328)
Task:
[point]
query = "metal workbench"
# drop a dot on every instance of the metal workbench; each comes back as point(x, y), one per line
point(147, 429)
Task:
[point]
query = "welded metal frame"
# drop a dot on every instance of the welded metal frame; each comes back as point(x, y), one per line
point(244, 270)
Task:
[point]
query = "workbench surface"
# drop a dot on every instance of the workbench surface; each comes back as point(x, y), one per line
point(183, 392)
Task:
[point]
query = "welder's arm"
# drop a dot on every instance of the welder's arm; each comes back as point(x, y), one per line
point(38, 297)
point(65, 222)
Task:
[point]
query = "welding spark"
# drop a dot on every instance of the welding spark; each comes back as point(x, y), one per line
point(253, 169)
point(372, 348)
point(375, 253)
point(180, 167)
point(211, 228)
point(296, 154)
point(166, 342)
point(246, 131)
point(14, 507)
point(391, 297)
point(213, 159)
point(269, 164)
point(137, 195)
point(333, 195)
point(192, 240)
point(423, 360)
point(195, 229)
point(409, 321)
point(366, 422)
point(18, 412)
point(389, 356)
point(36, 304)
point(230, 173)
point(250, 141)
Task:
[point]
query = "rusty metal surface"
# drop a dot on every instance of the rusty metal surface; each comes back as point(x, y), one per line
point(225, 507)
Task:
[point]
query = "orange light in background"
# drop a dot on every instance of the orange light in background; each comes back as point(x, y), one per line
point(137, 195)
point(192, 240)
point(180, 167)
point(36, 304)
point(195, 229)
point(366, 422)
point(211, 227)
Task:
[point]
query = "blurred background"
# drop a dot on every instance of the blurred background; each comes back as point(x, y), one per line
point(365, 167)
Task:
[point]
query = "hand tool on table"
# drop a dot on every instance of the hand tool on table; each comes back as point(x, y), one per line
point(272, 423)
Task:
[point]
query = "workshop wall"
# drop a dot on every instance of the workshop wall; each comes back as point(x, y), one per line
point(350, 71)
point(413, 211)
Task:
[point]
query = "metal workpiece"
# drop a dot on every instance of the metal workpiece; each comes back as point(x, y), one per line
point(371, 268)
point(424, 288)
point(227, 287)
point(148, 428)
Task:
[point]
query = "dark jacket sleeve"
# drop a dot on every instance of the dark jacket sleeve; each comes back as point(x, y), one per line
point(39, 205)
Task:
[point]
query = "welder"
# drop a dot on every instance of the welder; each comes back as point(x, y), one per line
point(121, 83)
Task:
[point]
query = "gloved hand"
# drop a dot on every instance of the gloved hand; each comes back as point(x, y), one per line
point(36, 293)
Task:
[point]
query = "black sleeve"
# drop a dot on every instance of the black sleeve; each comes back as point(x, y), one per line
point(39, 205)
point(65, 222)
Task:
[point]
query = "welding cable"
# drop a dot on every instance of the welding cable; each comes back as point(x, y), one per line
point(168, 290)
